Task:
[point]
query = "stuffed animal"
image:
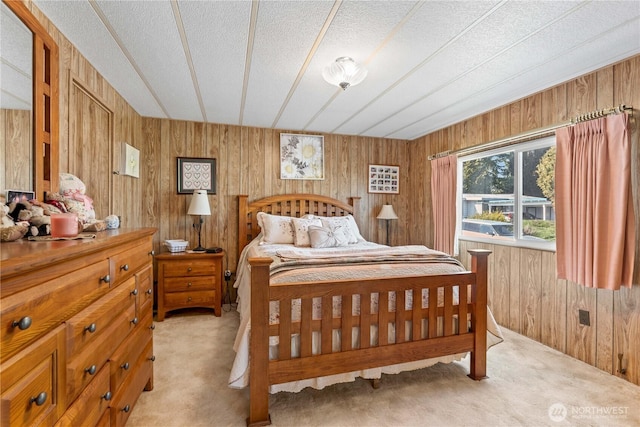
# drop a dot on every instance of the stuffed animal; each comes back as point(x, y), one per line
point(9, 230)
point(34, 215)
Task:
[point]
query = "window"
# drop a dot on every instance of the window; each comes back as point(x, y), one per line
point(507, 195)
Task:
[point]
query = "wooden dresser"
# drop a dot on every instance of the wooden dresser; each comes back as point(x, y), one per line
point(76, 344)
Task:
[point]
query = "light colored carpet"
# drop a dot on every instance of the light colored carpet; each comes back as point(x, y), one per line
point(528, 385)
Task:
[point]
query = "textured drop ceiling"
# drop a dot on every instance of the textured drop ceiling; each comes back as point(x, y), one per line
point(259, 63)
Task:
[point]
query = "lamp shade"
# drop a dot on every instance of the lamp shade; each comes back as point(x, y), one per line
point(199, 203)
point(344, 72)
point(387, 212)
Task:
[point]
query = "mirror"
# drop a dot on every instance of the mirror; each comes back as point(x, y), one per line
point(16, 67)
point(44, 106)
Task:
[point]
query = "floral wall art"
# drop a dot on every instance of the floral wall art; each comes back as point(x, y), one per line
point(301, 156)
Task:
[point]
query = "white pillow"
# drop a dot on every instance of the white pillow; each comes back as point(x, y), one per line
point(275, 228)
point(349, 225)
point(327, 237)
point(301, 230)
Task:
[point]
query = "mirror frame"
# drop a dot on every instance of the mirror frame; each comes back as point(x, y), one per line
point(45, 102)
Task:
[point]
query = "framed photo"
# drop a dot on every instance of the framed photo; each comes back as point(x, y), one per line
point(384, 179)
point(19, 196)
point(301, 156)
point(196, 174)
point(130, 161)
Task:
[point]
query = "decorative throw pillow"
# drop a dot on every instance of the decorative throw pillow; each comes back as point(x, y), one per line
point(327, 237)
point(275, 228)
point(348, 223)
point(301, 230)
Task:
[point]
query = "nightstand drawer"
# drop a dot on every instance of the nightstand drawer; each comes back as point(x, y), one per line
point(193, 267)
point(190, 299)
point(188, 284)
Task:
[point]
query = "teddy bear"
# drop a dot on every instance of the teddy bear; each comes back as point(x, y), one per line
point(9, 230)
point(34, 214)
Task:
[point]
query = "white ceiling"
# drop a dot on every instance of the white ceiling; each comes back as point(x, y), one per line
point(259, 63)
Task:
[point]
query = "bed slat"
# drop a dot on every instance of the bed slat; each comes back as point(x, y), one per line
point(327, 324)
point(284, 326)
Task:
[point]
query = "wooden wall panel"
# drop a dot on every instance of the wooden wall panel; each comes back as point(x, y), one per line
point(530, 311)
point(15, 150)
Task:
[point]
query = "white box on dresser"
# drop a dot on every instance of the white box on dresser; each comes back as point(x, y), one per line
point(76, 344)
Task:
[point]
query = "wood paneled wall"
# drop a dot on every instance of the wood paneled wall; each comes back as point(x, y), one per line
point(16, 150)
point(525, 295)
point(248, 162)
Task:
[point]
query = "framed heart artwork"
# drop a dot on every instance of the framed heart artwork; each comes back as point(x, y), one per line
point(196, 174)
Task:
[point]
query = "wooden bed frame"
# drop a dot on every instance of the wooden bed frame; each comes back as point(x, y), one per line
point(449, 341)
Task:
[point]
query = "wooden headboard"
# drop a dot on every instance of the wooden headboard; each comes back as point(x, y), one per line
point(294, 205)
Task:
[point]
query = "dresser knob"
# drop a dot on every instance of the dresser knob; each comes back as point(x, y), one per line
point(134, 292)
point(152, 358)
point(149, 292)
point(152, 327)
point(105, 279)
point(189, 285)
point(125, 366)
point(22, 324)
point(39, 399)
point(106, 396)
point(124, 267)
point(189, 269)
point(126, 408)
point(189, 299)
point(134, 320)
point(152, 253)
point(91, 370)
point(91, 328)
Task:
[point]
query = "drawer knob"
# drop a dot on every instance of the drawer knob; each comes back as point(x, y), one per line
point(152, 327)
point(134, 320)
point(124, 267)
point(152, 253)
point(189, 299)
point(189, 285)
point(105, 279)
point(106, 396)
point(149, 292)
point(134, 292)
point(91, 328)
point(126, 408)
point(152, 358)
point(91, 369)
point(125, 366)
point(22, 324)
point(39, 399)
point(189, 269)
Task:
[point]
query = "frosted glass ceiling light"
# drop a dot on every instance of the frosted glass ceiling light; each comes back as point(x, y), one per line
point(344, 72)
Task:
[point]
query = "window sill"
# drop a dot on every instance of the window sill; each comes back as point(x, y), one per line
point(541, 246)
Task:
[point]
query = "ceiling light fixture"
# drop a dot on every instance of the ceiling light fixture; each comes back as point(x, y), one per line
point(344, 72)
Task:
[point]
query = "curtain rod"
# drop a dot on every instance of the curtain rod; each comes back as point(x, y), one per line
point(536, 133)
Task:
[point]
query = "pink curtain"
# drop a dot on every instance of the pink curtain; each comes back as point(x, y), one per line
point(443, 200)
point(595, 226)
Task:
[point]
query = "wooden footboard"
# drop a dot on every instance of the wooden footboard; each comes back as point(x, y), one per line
point(418, 336)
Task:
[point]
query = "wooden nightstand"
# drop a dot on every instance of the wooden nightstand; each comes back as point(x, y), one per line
point(189, 280)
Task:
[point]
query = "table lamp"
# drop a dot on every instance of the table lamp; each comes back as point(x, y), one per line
point(387, 213)
point(199, 207)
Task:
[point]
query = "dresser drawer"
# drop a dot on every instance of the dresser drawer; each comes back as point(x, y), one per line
point(82, 368)
point(124, 358)
point(182, 284)
point(124, 264)
point(134, 384)
point(190, 299)
point(49, 304)
point(88, 325)
point(192, 267)
point(144, 283)
point(33, 383)
point(90, 406)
